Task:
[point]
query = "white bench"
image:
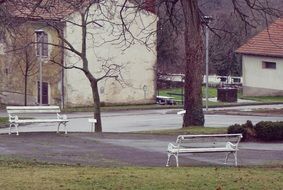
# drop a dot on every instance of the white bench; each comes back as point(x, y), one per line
point(217, 143)
point(15, 112)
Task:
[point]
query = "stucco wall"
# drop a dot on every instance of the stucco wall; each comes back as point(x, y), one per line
point(13, 65)
point(135, 85)
point(259, 81)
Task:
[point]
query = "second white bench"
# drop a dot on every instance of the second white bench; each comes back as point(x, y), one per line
point(217, 143)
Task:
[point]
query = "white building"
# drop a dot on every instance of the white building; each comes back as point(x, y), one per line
point(263, 62)
point(137, 78)
point(127, 47)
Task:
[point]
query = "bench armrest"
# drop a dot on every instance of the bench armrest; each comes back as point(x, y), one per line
point(231, 145)
point(171, 147)
point(63, 117)
point(13, 118)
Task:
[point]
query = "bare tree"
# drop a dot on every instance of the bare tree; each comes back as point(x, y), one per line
point(23, 50)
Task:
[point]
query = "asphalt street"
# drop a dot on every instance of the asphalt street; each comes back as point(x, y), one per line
point(142, 120)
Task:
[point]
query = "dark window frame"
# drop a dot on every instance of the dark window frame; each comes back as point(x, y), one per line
point(269, 65)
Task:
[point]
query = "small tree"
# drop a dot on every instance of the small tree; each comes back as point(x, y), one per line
point(23, 50)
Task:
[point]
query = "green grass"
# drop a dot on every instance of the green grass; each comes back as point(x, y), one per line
point(264, 99)
point(120, 108)
point(188, 130)
point(3, 120)
point(212, 92)
point(20, 175)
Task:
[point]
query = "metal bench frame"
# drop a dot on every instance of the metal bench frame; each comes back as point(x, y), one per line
point(182, 142)
point(15, 111)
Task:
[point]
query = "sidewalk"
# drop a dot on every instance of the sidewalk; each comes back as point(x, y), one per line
point(124, 149)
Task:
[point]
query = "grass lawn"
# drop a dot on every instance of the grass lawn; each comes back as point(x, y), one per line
point(33, 176)
point(212, 92)
point(264, 99)
point(3, 120)
point(189, 130)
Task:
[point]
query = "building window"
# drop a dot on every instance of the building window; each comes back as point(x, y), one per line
point(41, 43)
point(44, 96)
point(268, 65)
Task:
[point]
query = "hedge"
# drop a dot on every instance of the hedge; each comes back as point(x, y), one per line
point(264, 130)
point(269, 131)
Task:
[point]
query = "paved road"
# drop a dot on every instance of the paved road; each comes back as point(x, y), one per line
point(129, 121)
point(128, 149)
point(122, 149)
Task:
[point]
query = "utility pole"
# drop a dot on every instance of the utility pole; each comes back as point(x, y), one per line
point(207, 20)
point(39, 45)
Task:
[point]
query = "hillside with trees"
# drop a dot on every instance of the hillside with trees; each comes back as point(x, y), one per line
point(228, 31)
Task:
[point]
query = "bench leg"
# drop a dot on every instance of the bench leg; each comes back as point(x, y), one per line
point(10, 130)
point(235, 157)
point(16, 128)
point(65, 127)
point(226, 158)
point(58, 127)
point(177, 160)
point(168, 160)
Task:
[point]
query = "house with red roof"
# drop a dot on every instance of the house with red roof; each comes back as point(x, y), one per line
point(262, 62)
point(124, 49)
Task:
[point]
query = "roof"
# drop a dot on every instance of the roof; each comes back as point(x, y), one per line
point(269, 42)
point(42, 9)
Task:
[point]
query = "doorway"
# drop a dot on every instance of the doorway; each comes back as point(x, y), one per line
point(44, 93)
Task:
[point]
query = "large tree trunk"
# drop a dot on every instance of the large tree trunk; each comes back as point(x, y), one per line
point(194, 62)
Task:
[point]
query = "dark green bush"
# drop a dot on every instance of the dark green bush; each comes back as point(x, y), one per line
point(236, 128)
point(269, 131)
point(246, 129)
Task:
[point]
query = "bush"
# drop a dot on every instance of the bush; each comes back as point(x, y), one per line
point(269, 131)
point(246, 129)
point(236, 128)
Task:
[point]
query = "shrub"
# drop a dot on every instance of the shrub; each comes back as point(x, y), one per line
point(236, 128)
point(246, 129)
point(267, 130)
